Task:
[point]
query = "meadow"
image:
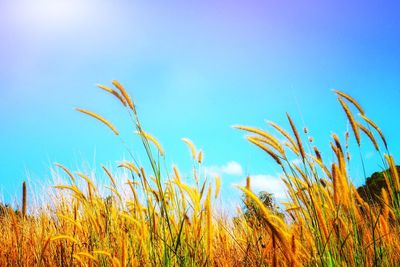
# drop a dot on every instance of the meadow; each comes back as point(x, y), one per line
point(157, 217)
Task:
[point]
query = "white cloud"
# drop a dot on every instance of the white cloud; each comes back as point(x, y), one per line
point(231, 168)
point(269, 183)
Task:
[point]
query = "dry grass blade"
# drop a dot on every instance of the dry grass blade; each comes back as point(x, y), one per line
point(274, 223)
point(113, 92)
point(370, 135)
point(153, 140)
point(124, 94)
point(373, 124)
point(351, 120)
point(191, 146)
point(130, 166)
point(282, 132)
point(110, 176)
point(200, 157)
point(64, 237)
point(100, 118)
point(394, 173)
point(351, 100)
point(259, 132)
point(297, 136)
point(217, 186)
point(266, 149)
point(67, 171)
point(276, 145)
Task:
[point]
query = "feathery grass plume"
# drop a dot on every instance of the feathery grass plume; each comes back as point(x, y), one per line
point(337, 142)
point(130, 166)
point(275, 145)
point(24, 199)
point(113, 92)
point(373, 124)
point(385, 203)
point(217, 185)
point(152, 139)
point(393, 171)
point(87, 255)
point(79, 260)
point(104, 253)
point(336, 183)
point(274, 223)
point(161, 220)
point(339, 155)
point(64, 237)
point(369, 134)
point(72, 221)
point(86, 178)
point(74, 189)
point(351, 100)
point(124, 94)
point(266, 149)
point(100, 118)
point(321, 222)
point(109, 175)
point(200, 157)
point(351, 120)
point(191, 146)
point(67, 171)
point(282, 132)
point(297, 136)
point(388, 185)
point(317, 153)
point(209, 224)
point(269, 138)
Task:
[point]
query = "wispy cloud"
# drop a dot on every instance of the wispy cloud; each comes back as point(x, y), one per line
point(231, 168)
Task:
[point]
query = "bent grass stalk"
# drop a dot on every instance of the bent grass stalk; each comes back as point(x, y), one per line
point(163, 217)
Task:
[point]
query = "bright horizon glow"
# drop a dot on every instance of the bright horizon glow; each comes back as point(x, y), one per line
point(194, 69)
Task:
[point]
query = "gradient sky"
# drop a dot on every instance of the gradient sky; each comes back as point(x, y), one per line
point(194, 69)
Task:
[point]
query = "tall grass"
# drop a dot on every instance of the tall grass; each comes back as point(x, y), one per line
point(155, 218)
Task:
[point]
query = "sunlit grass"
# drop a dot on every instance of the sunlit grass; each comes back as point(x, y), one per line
point(155, 217)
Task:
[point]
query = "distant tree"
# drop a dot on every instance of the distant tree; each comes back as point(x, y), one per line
point(371, 191)
point(252, 212)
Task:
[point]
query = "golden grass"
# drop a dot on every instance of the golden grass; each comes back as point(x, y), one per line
point(158, 217)
point(100, 118)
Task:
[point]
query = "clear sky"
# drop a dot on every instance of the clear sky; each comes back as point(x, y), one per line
point(194, 69)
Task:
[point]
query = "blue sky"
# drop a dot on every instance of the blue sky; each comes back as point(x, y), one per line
point(194, 69)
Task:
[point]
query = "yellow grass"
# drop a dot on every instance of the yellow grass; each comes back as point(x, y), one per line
point(160, 217)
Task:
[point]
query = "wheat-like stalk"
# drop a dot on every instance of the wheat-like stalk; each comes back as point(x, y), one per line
point(373, 124)
point(191, 146)
point(125, 95)
point(351, 100)
point(113, 92)
point(100, 118)
point(24, 199)
point(351, 120)
point(297, 136)
point(153, 140)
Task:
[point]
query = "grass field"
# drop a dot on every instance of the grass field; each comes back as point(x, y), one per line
point(158, 218)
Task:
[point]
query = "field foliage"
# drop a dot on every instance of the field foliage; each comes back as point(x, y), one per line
point(156, 217)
